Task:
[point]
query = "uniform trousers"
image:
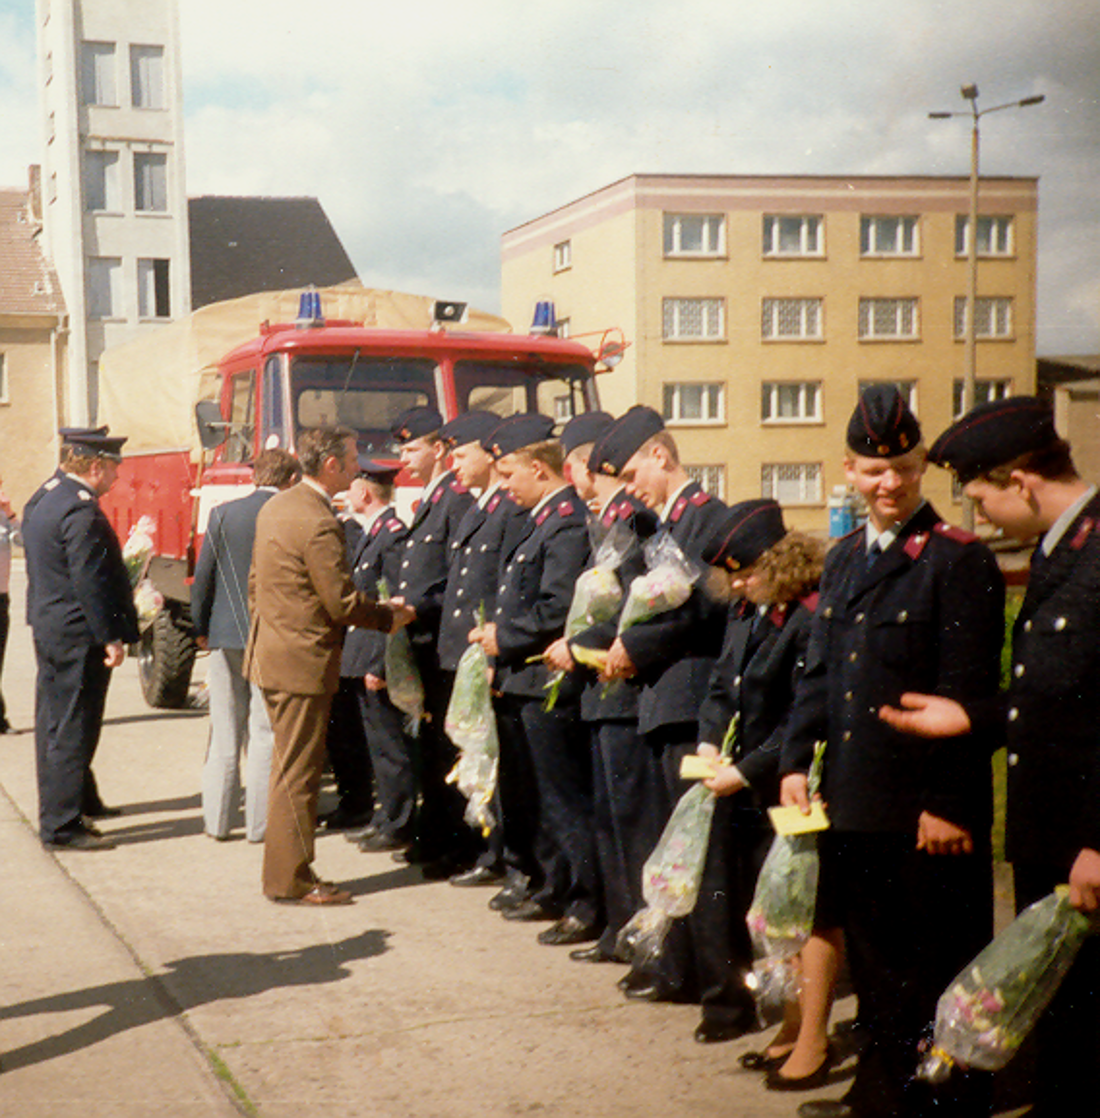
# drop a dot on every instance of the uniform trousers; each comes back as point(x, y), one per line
point(5, 622)
point(300, 724)
point(1068, 1033)
point(70, 694)
point(347, 747)
point(238, 719)
point(391, 762)
point(911, 922)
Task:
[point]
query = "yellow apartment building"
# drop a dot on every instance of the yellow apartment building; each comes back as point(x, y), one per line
point(758, 306)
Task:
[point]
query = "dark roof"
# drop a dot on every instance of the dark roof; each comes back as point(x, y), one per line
point(27, 283)
point(243, 245)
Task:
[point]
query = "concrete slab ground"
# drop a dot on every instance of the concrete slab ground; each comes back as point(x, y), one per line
point(156, 979)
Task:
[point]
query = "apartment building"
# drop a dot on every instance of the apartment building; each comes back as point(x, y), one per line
point(114, 201)
point(757, 307)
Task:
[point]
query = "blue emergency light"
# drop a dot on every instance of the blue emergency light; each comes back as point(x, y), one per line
point(309, 310)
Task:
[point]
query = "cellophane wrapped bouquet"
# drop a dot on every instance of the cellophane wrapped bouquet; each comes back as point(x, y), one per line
point(136, 553)
point(781, 916)
point(665, 586)
point(597, 594)
point(984, 1015)
point(471, 724)
point(672, 873)
point(403, 683)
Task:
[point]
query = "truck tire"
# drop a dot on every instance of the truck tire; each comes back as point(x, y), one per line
point(166, 656)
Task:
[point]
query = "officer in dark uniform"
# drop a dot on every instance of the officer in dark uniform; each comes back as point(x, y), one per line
point(80, 608)
point(1010, 460)
point(907, 603)
point(442, 840)
point(487, 529)
point(672, 656)
point(545, 767)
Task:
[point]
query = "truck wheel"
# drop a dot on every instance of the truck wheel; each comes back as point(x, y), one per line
point(165, 658)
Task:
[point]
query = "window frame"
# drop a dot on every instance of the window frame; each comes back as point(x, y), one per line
point(108, 268)
point(563, 255)
point(672, 245)
point(769, 400)
point(698, 472)
point(997, 388)
point(869, 225)
point(707, 303)
point(962, 236)
point(150, 159)
point(772, 241)
point(771, 490)
point(773, 303)
point(160, 290)
point(993, 305)
point(109, 186)
point(900, 300)
point(908, 386)
point(93, 89)
point(140, 53)
point(712, 403)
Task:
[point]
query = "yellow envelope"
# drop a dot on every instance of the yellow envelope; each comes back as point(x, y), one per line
point(694, 767)
point(791, 821)
point(590, 657)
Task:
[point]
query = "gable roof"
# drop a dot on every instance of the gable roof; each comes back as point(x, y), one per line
point(243, 245)
point(27, 283)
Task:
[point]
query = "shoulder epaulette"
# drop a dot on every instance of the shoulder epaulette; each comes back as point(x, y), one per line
point(700, 498)
point(565, 508)
point(916, 543)
point(949, 531)
point(1083, 533)
point(395, 525)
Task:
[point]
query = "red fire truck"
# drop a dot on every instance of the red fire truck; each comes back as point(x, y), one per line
point(303, 374)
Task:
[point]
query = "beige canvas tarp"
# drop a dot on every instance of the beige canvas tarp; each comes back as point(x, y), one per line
point(148, 387)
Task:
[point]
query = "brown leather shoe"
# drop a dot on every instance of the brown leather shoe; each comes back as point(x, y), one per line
point(324, 892)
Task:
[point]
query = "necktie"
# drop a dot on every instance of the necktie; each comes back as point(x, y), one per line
point(873, 552)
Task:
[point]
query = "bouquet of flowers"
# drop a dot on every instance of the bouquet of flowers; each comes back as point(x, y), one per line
point(148, 601)
point(403, 682)
point(596, 594)
point(984, 1015)
point(138, 549)
point(472, 726)
point(781, 916)
point(672, 873)
point(666, 584)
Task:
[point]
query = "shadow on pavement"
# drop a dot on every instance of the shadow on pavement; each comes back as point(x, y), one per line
point(185, 985)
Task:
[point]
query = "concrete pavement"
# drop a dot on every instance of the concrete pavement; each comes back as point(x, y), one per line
point(155, 978)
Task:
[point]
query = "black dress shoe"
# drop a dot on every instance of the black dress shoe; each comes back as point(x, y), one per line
point(634, 978)
point(827, 1108)
point(506, 899)
point(761, 1061)
point(715, 1032)
point(479, 875)
point(594, 954)
point(817, 1078)
point(566, 931)
point(529, 911)
point(80, 840)
point(341, 820)
point(102, 811)
point(357, 834)
point(441, 869)
point(379, 842)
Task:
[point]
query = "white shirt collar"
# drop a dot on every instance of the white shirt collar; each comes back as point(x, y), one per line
point(887, 536)
point(666, 511)
point(547, 499)
point(489, 490)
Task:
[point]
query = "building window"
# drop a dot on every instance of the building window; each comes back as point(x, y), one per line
point(154, 290)
point(888, 318)
point(994, 235)
point(695, 234)
point(97, 74)
point(791, 483)
point(985, 391)
point(692, 319)
point(104, 286)
point(790, 401)
point(888, 236)
point(711, 478)
point(150, 182)
point(786, 319)
point(694, 403)
point(563, 255)
point(101, 182)
point(147, 77)
point(563, 327)
point(792, 235)
point(563, 408)
point(907, 388)
point(993, 320)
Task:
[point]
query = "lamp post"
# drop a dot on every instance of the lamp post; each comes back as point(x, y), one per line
point(970, 94)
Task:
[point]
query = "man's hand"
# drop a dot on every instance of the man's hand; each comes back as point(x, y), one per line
point(115, 654)
point(618, 664)
point(941, 836)
point(374, 682)
point(1084, 881)
point(927, 716)
point(402, 614)
point(794, 791)
point(559, 657)
point(486, 636)
point(726, 779)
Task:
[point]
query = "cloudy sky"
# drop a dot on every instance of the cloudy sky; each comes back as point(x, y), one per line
point(428, 128)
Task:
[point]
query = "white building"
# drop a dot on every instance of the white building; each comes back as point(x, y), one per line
point(114, 200)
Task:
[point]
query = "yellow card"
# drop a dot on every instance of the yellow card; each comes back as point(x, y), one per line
point(590, 657)
point(694, 767)
point(791, 821)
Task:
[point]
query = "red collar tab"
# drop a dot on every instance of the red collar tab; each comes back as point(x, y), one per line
point(810, 601)
point(777, 615)
point(1083, 533)
point(700, 498)
point(916, 544)
point(678, 509)
point(437, 496)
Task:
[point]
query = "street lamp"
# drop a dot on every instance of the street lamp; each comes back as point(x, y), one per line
point(970, 94)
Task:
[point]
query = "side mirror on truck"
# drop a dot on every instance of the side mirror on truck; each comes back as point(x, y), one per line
point(213, 429)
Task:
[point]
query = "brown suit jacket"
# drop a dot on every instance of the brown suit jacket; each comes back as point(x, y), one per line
point(301, 596)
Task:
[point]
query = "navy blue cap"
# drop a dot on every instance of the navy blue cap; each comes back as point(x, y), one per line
point(743, 533)
point(377, 471)
point(518, 431)
point(415, 424)
point(68, 433)
point(584, 428)
point(623, 439)
point(992, 434)
point(94, 442)
point(470, 427)
point(882, 426)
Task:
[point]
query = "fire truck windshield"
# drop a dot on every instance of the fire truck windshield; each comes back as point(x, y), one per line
point(507, 387)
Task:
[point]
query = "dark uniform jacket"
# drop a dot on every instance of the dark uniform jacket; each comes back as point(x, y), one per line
point(536, 591)
point(474, 579)
point(674, 652)
point(78, 591)
point(927, 616)
point(219, 593)
point(424, 566)
point(373, 554)
point(1052, 725)
point(763, 657)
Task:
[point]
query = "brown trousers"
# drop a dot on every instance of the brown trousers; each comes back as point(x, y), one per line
point(300, 724)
